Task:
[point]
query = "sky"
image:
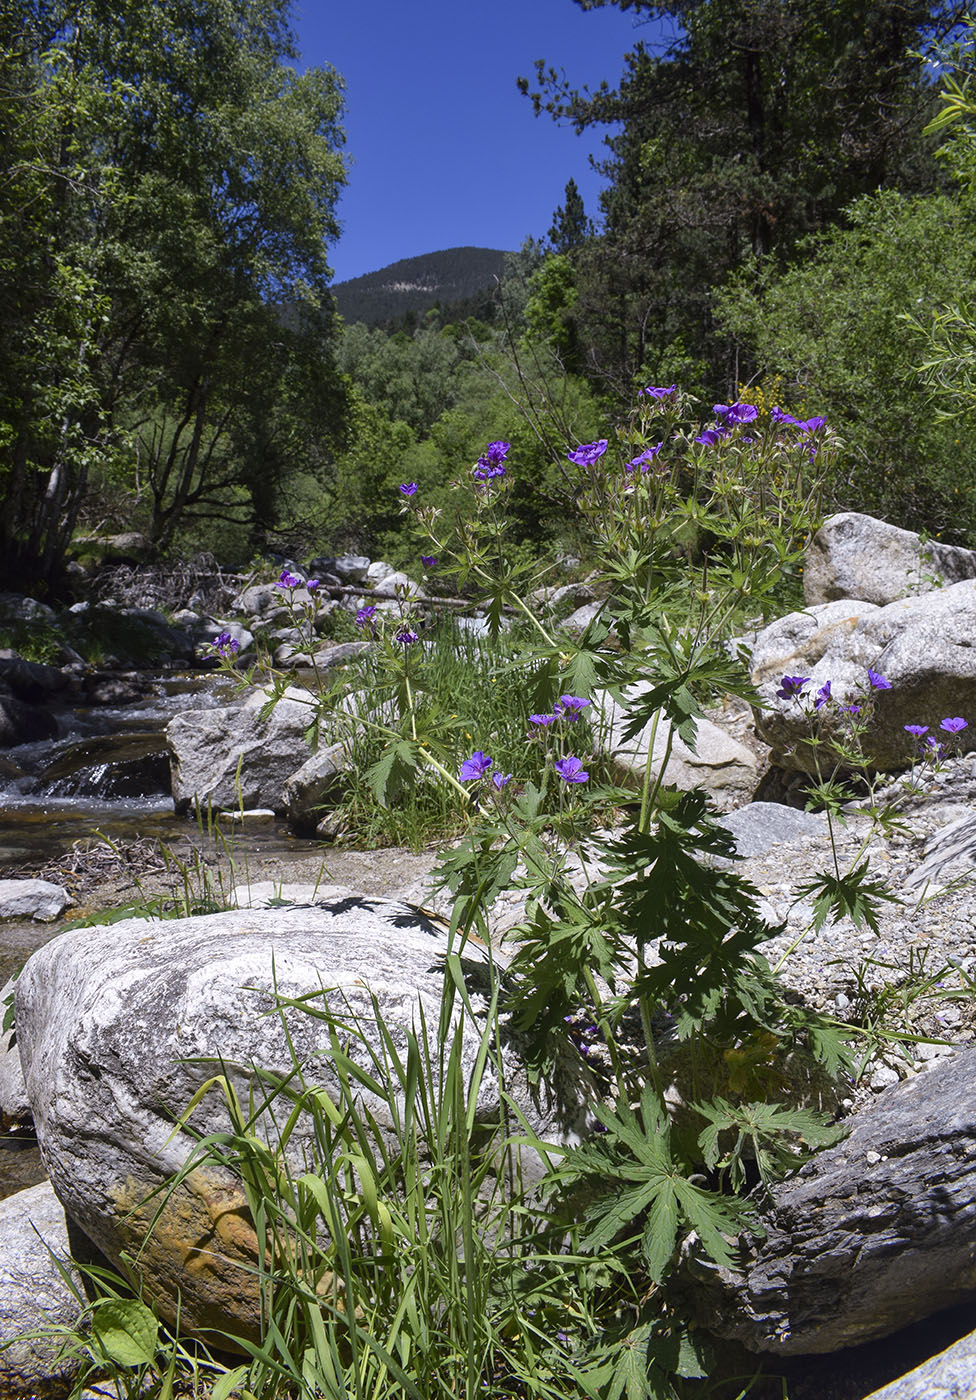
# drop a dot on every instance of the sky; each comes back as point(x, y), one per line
point(443, 150)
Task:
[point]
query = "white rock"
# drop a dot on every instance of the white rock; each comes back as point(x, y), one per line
point(32, 899)
point(856, 556)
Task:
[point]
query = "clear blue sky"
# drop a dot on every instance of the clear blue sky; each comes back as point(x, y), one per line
point(444, 151)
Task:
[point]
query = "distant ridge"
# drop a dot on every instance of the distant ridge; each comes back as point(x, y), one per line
point(415, 284)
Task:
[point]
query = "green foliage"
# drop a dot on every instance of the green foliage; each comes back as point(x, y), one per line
point(832, 328)
point(757, 123)
point(171, 326)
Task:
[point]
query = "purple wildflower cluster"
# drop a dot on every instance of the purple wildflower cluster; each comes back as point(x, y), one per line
point(225, 645)
point(645, 460)
point(365, 616)
point(930, 746)
point(566, 707)
point(805, 425)
point(588, 453)
point(489, 464)
point(479, 766)
point(729, 416)
point(408, 488)
point(288, 580)
point(654, 392)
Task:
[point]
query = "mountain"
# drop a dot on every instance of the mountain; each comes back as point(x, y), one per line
point(415, 284)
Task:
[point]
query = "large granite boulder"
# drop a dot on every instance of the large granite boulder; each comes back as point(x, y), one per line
point(923, 646)
point(231, 756)
point(856, 556)
point(949, 1376)
point(35, 1299)
point(120, 1026)
point(871, 1235)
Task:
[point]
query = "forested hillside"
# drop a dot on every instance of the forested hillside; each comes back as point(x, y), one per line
point(463, 278)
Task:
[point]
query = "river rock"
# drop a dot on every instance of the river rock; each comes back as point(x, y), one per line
point(32, 899)
point(871, 1235)
point(718, 763)
point(923, 646)
point(306, 791)
point(856, 556)
point(397, 585)
point(231, 757)
point(14, 1104)
point(21, 723)
point(120, 1026)
point(34, 1295)
point(949, 1376)
point(759, 826)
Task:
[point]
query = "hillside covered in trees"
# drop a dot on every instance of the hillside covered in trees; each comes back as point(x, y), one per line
point(462, 278)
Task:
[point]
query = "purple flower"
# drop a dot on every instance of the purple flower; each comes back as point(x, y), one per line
point(813, 425)
point(364, 617)
point(543, 719)
point(851, 709)
point(495, 453)
point(645, 459)
point(878, 682)
point(288, 580)
point(570, 705)
point(791, 686)
point(589, 453)
point(226, 644)
point(409, 488)
point(778, 416)
point(571, 770)
point(429, 561)
point(500, 779)
point(485, 471)
point(313, 585)
point(823, 695)
point(953, 726)
point(406, 637)
point(709, 437)
point(654, 393)
point(474, 767)
point(735, 414)
point(916, 730)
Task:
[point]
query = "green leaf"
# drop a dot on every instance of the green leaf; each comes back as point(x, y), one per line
point(125, 1331)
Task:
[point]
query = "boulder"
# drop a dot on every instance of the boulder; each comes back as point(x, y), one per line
point(758, 826)
point(397, 585)
point(923, 646)
point(856, 556)
point(14, 1105)
point(119, 1027)
point(871, 1235)
point(22, 723)
point(351, 568)
point(319, 777)
point(34, 1297)
point(32, 899)
point(949, 1376)
point(719, 763)
point(230, 757)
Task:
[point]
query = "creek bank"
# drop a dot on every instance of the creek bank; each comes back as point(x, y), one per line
point(842, 967)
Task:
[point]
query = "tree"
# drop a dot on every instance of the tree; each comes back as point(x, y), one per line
point(570, 225)
point(184, 185)
point(757, 125)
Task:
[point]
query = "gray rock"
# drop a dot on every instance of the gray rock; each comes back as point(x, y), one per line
point(758, 826)
point(949, 1376)
point(720, 764)
point(871, 1235)
point(16, 607)
point(22, 723)
point(378, 571)
point(30, 680)
point(856, 556)
point(34, 1296)
point(949, 855)
point(32, 899)
point(397, 585)
point(351, 567)
point(319, 778)
point(923, 646)
point(14, 1104)
point(230, 757)
point(120, 1026)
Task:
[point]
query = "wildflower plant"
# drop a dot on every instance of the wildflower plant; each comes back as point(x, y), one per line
point(634, 912)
